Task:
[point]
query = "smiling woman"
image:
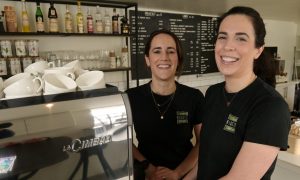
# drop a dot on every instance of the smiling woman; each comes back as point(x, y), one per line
point(234, 140)
point(165, 113)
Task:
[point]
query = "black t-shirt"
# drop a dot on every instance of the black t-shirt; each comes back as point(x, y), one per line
point(165, 142)
point(256, 114)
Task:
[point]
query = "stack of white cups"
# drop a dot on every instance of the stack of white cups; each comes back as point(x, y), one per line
point(39, 78)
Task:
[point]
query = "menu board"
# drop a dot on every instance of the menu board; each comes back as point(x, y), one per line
point(195, 32)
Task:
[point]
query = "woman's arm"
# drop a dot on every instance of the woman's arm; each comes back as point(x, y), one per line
point(252, 162)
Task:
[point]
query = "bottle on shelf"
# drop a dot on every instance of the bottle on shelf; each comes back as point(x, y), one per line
point(124, 26)
point(115, 22)
point(124, 56)
point(68, 20)
point(107, 23)
point(99, 22)
point(2, 22)
point(11, 19)
point(89, 22)
point(53, 19)
point(39, 18)
point(79, 18)
point(112, 58)
point(25, 18)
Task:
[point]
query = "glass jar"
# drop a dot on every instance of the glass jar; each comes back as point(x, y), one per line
point(14, 66)
point(33, 47)
point(26, 61)
point(3, 67)
point(6, 50)
point(20, 46)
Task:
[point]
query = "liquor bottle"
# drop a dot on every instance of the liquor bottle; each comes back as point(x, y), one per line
point(25, 18)
point(79, 18)
point(107, 23)
point(99, 22)
point(52, 15)
point(124, 57)
point(10, 19)
point(89, 22)
point(115, 22)
point(39, 18)
point(68, 20)
point(124, 26)
point(2, 22)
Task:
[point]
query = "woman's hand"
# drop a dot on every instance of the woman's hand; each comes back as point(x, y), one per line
point(163, 173)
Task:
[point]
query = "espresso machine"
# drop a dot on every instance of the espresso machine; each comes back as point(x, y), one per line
point(76, 135)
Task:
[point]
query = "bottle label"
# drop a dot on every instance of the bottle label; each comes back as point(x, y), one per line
point(99, 26)
point(115, 26)
point(68, 25)
point(53, 25)
point(40, 24)
point(90, 27)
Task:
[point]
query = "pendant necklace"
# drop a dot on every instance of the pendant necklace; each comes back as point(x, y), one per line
point(226, 95)
point(157, 105)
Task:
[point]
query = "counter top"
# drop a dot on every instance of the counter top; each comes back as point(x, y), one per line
point(289, 158)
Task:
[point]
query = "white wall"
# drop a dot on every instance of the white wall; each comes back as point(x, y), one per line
point(282, 34)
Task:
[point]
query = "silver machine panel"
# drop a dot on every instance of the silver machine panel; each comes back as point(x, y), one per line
point(80, 135)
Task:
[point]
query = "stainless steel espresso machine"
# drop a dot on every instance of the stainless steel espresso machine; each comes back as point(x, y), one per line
point(78, 135)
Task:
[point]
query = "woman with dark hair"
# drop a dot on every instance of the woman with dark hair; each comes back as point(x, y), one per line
point(165, 113)
point(245, 121)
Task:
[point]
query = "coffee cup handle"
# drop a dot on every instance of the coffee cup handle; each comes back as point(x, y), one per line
point(51, 64)
point(71, 75)
point(41, 84)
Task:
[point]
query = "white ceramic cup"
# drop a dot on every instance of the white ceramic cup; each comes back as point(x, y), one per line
point(91, 80)
point(76, 67)
point(24, 87)
point(58, 83)
point(67, 71)
point(38, 67)
point(16, 77)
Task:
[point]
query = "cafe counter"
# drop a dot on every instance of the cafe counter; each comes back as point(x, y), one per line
point(287, 167)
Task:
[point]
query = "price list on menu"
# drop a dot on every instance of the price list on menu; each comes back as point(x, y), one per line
point(195, 32)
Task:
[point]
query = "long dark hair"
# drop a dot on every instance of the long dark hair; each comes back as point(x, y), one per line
point(178, 47)
point(263, 66)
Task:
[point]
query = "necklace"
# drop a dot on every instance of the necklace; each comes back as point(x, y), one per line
point(157, 105)
point(226, 95)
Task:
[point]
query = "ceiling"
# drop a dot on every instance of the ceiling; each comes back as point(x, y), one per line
point(285, 10)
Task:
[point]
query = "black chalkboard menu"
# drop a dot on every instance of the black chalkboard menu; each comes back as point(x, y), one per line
point(195, 32)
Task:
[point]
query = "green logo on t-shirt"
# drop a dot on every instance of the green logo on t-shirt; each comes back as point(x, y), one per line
point(182, 117)
point(231, 123)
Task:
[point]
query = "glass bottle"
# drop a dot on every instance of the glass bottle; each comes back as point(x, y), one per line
point(2, 22)
point(112, 58)
point(11, 19)
point(99, 22)
point(25, 18)
point(115, 22)
point(124, 26)
point(124, 57)
point(89, 22)
point(39, 18)
point(53, 22)
point(79, 18)
point(107, 23)
point(68, 20)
